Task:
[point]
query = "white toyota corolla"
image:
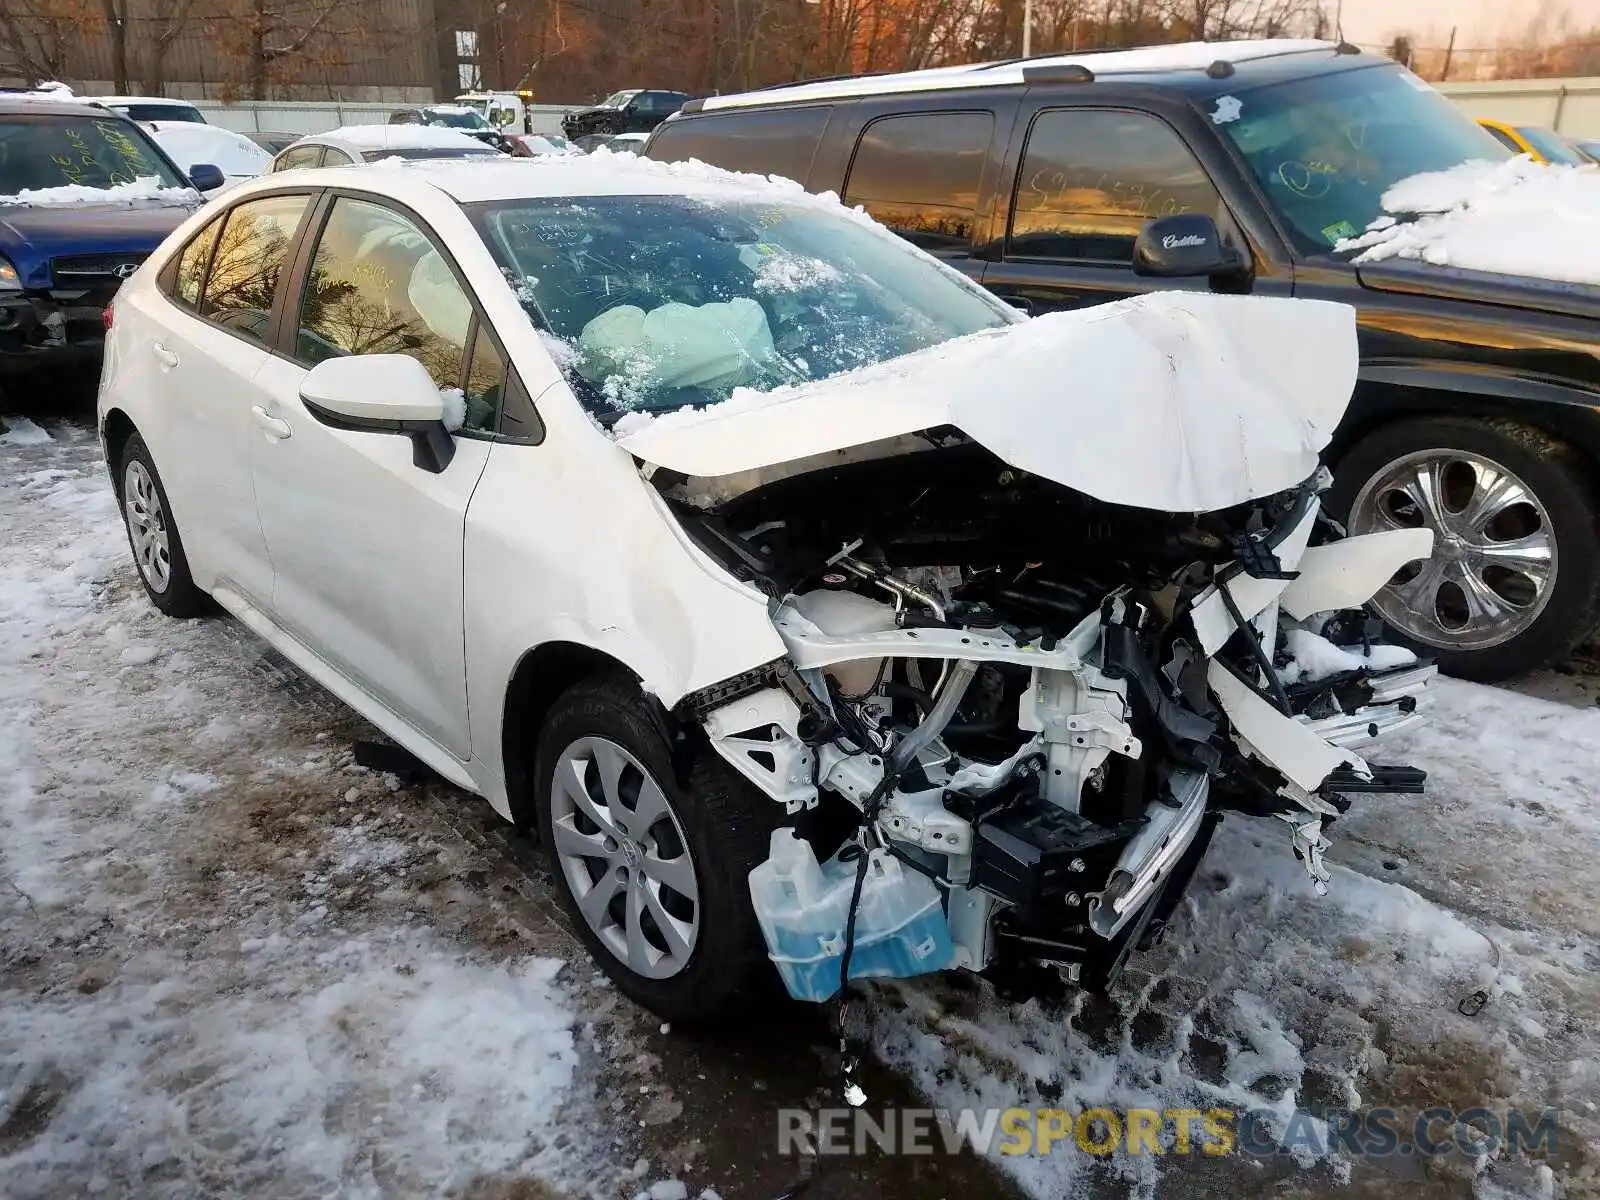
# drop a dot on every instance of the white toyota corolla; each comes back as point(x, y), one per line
point(813, 606)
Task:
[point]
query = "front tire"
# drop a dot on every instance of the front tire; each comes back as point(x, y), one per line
point(1514, 582)
point(153, 536)
point(653, 869)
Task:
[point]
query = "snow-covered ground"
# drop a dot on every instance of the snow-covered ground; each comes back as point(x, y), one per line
point(233, 962)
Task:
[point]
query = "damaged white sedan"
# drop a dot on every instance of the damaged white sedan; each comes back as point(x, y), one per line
point(815, 607)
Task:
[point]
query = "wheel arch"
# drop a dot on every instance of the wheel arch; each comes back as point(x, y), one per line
point(1387, 395)
point(541, 675)
point(116, 430)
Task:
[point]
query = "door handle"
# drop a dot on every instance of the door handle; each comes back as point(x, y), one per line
point(276, 428)
point(165, 357)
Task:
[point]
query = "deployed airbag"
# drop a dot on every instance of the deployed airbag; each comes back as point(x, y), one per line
point(677, 345)
point(1176, 401)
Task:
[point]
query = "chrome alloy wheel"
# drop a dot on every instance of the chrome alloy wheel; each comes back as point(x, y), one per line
point(1494, 554)
point(147, 526)
point(625, 858)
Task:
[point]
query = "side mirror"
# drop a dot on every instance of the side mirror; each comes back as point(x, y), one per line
point(1184, 246)
point(206, 178)
point(382, 393)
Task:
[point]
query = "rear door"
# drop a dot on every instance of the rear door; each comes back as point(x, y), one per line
point(1081, 182)
point(208, 349)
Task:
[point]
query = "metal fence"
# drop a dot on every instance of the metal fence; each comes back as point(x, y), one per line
point(309, 116)
point(1569, 106)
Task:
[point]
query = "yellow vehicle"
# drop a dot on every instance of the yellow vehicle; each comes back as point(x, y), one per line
point(1544, 145)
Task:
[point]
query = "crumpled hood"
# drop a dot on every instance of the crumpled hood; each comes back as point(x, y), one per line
point(1173, 401)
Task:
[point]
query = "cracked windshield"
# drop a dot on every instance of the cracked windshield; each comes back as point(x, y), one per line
point(1326, 148)
point(656, 302)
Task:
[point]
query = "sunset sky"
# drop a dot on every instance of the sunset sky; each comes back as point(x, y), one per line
point(1480, 22)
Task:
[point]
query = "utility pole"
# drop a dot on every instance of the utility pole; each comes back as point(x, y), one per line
point(1027, 28)
point(1449, 52)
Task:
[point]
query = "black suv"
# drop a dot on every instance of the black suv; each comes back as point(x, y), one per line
point(1477, 413)
point(635, 111)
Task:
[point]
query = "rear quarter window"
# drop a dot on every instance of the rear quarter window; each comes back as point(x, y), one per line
point(773, 141)
point(918, 173)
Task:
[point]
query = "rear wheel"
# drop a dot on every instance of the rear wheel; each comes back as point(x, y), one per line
point(153, 537)
point(653, 870)
point(1514, 580)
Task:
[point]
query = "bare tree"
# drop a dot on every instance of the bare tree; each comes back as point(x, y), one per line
point(39, 39)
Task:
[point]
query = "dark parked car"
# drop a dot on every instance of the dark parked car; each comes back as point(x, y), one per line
point(637, 111)
point(66, 240)
point(274, 143)
point(454, 116)
point(1477, 411)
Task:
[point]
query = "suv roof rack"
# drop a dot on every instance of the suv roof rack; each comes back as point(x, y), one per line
point(1057, 73)
point(1218, 60)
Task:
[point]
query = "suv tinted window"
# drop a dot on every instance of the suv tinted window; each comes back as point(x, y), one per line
point(249, 259)
point(778, 141)
point(378, 285)
point(192, 261)
point(1091, 179)
point(919, 175)
point(300, 156)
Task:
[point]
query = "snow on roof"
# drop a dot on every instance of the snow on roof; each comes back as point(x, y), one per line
point(147, 187)
point(56, 93)
point(1515, 217)
point(396, 137)
point(168, 101)
point(459, 110)
point(1184, 56)
point(188, 144)
point(607, 173)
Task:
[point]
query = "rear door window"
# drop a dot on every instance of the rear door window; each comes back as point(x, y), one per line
point(191, 270)
point(1090, 180)
point(774, 141)
point(298, 157)
point(248, 263)
point(919, 175)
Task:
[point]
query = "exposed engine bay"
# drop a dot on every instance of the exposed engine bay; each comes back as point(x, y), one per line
point(1040, 702)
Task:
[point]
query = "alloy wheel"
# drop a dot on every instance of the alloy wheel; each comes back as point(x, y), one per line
point(623, 853)
point(147, 526)
point(1494, 556)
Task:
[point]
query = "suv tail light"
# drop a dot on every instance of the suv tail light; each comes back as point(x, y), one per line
point(105, 317)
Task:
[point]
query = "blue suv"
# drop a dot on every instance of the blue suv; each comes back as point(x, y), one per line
point(85, 197)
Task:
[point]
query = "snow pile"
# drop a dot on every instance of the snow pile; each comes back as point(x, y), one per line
point(141, 191)
point(19, 431)
point(1313, 657)
point(1513, 218)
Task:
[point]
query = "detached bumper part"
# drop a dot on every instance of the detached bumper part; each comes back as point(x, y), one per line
point(38, 331)
point(1396, 706)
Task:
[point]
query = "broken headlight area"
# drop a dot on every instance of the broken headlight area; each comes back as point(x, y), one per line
point(1033, 706)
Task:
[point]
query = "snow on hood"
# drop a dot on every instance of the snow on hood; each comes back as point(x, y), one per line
point(1516, 217)
point(188, 144)
point(143, 189)
point(1174, 401)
